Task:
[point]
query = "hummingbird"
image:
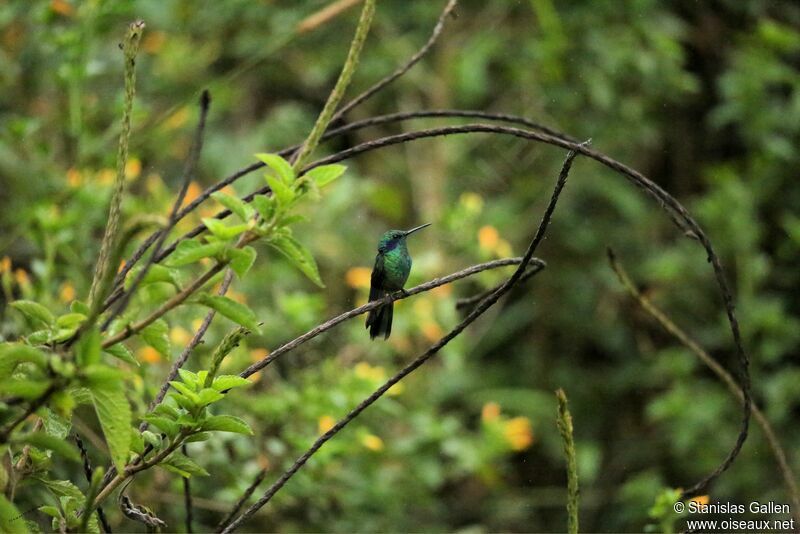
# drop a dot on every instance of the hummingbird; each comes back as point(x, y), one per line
point(392, 266)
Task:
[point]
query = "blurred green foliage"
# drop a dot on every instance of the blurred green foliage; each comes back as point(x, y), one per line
point(703, 97)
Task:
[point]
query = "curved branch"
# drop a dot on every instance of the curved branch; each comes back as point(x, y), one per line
point(420, 360)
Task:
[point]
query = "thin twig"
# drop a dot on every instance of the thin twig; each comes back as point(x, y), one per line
point(243, 499)
point(420, 360)
point(678, 333)
point(88, 471)
point(413, 60)
point(327, 325)
point(466, 302)
point(34, 405)
point(188, 174)
point(187, 495)
point(318, 18)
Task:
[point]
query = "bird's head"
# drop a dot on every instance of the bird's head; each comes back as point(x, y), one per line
point(392, 238)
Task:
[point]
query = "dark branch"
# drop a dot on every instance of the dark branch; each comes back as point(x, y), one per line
point(88, 471)
point(420, 360)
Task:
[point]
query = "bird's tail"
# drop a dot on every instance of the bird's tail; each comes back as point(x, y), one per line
point(379, 321)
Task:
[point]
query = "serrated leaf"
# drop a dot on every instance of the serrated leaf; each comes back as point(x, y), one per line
point(11, 520)
point(167, 426)
point(226, 423)
point(209, 396)
point(191, 250)
point(70, 320)
point(99, 376)
point(242, 259)
point(281, 167)
point(222, 230)
point(63, 488)
point(282, 192)
point(45, 441)
point(34, 310)
point(236, 205)
point(12, 354)
point(166, 410)
point(185, 391)
point(114, 414)
point(78, 306)
point(298, 255)
point(226, 382)
point(27, 389)
point(151, 439)
point(156, 335)
point(235, 311)
point(325, 174)
point(121, 352)
point(183, 465)
point(88, 349)
point(189, 378)
point(54, 424)
point(156, 273)
point(265, 205)
point(52, 511)
point(200, 436)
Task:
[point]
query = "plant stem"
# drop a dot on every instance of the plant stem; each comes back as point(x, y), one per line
point(350, 64)
point(130, 47)
point(564, 423)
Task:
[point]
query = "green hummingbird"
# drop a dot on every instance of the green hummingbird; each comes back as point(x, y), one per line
point(392, 266)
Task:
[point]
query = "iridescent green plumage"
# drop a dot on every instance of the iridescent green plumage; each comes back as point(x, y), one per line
point(392, 267)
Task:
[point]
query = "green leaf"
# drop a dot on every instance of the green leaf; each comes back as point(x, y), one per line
point(282, 193)
point(78, 306)
point(11, 521)
point(183, 465)
point(45, 441)
point(34, 310)
point(242, 259)
point(12, 354)
point(326, 174)
point(236, 205)
point(27, 389)
point(151, 439)
point(70, 320)
point(222, 230)
point(226, 423)
point(189, 378)
point(226, 382)
point(114, 414)
point(200, 436)
point(168, 427)
point(156, 335)
point(88, 348)
point(156, 273)
point(192, 250)
point(298, 255)
point(63, 488)
point(209, 396)
point(186, 392)
point(121, 352)
point(265, 205)
point(49, 510)
point(281, 167)
point(235, 311)
point(166, 410)
point(55, 425)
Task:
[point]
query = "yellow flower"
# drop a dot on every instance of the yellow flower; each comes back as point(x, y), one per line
point(503, 248)
point(372, 442)
point(153, 41)
point(66, 293)
point(358, 277)
point(21, 276)
point(396, 389)
point(62, 7)
point(179, 335)
point(192, 192)
point(368, 372)
point(256, 355)
point(133, 168)
point(442, 291)
point(5, 264)
point(74, 177)
point(177, 119)
point(255, 377)
point(701, 499)
point(106, 176)
point(149, 354)
point(325, 423)
point(472, 202)
point(432, 331)
point(518, 433)
point(490, 412)
point(488, 236)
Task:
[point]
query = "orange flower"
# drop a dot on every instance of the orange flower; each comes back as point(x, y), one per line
point(357, 277)
point(106, 176)
point(488, 237)
point(74, 178)
point(149, 354)
point(21, 276)
point(518, 433)
point(192, 192)
point(133, 168)
point(5, 264)
point(153, 41)
point(442, 291)
point(372, 442)
point(66, 293)
point(325, 423)
point(432, 331)
point(701, 499)
point(256, 355)
point(490, 412)
point(255, 377)
point(62, 7)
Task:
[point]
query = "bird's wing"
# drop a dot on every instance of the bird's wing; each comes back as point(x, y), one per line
point(378, 279)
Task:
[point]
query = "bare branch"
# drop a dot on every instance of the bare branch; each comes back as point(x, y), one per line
point(420, 360)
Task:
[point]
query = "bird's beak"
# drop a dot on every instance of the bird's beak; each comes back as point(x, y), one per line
point(420, 227)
